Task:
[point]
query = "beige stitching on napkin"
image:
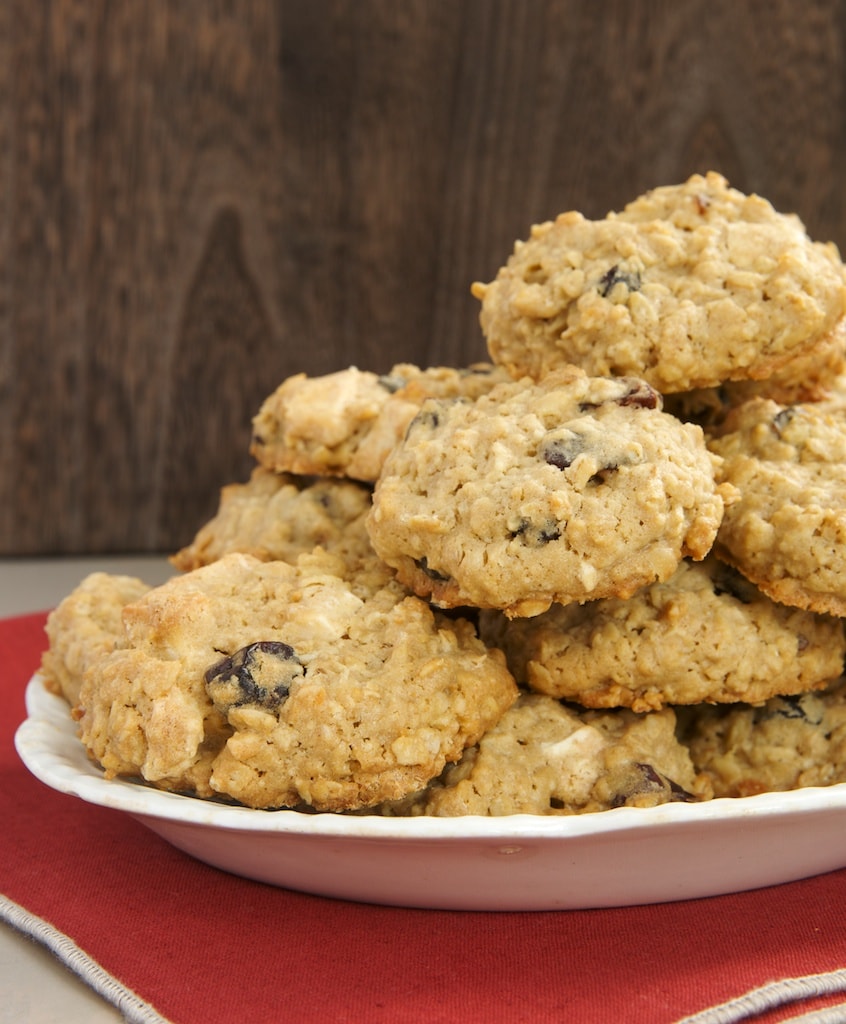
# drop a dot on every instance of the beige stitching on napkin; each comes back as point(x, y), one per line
point(830, 1015)
point(133, 1008)
point(779, 993)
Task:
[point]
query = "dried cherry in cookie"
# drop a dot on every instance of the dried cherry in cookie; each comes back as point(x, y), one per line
point(640, 780)
point(261, 674)
point(616, 275)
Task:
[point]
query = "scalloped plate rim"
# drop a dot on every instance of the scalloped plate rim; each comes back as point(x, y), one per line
point(462, 858)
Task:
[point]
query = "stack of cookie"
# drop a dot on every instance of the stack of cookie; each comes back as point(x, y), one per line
point(606, 568)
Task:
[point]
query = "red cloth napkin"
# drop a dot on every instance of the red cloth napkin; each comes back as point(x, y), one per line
point(205, 947)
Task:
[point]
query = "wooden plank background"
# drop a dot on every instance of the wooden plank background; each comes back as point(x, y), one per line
point(200, 198)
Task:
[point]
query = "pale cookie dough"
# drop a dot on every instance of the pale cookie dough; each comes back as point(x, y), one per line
point(84, 627)
point(345, 423)
point(690, 286)
point(568, 490)
point(547, 758)
point(278, 516)
point(274, 685)
point(707, 634)
point(787, 530)
point(786, 743)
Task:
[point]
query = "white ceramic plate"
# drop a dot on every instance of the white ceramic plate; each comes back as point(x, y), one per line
point(613, 858)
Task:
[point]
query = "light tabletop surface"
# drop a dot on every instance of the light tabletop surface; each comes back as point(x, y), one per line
point(35, 988)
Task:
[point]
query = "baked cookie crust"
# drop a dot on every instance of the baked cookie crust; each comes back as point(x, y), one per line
point(786, 743)
point(84, 627)
point(787, 530)
point(568, 490)
point(275, 685)
point(279, 516)
point(706, 634)
point(548, 758)
point(345, 423)
point(688, 287)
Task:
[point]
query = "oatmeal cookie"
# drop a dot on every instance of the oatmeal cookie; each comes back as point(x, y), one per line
point(275, 685)
point(345, 423)
point(706, 634)
point(278, 516)
point(545, 757)
point(568, 490)
point(786, 743)
point(84, 627)
point(689, 286)
point(787, 530)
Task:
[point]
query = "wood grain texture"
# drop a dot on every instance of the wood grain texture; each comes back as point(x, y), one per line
point(199, 198)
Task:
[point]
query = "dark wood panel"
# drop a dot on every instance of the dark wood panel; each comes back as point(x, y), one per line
point(199, 198)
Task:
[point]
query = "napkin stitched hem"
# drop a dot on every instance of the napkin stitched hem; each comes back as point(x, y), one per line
point(775, 994)
point(830, 1015)
point(133, 1008)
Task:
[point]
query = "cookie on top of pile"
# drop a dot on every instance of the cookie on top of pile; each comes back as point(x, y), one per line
point(604, 567)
